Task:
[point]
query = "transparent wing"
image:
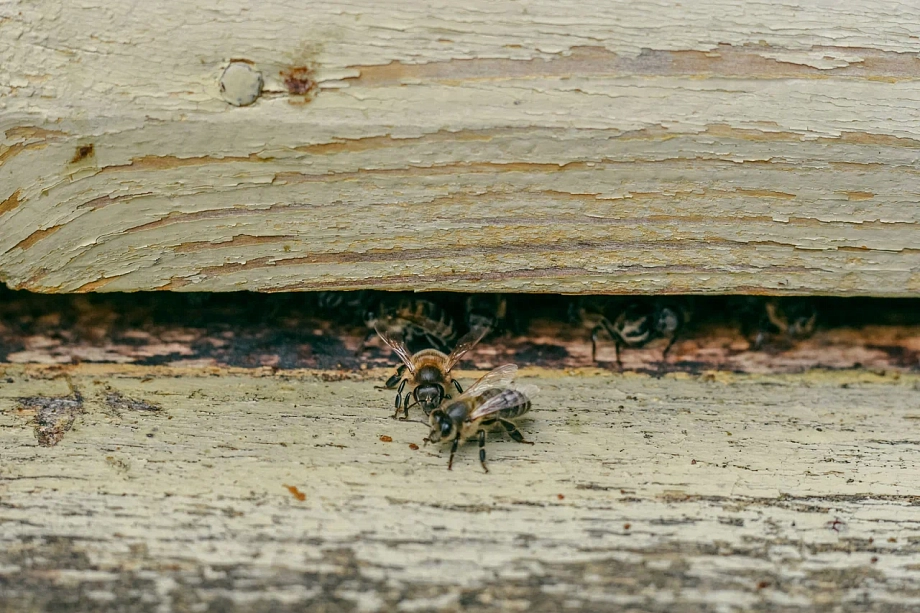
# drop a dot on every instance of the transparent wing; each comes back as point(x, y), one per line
point(466, 343)
point(383, 328)
point(505, 400)
point(497, 377)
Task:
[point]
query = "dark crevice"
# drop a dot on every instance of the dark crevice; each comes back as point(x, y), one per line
point(322, 330)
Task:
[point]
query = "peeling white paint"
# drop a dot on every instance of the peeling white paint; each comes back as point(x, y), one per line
point(717, 483)
point(473, 144)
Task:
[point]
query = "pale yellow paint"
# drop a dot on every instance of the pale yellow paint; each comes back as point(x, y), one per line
point(705, 147)
point(725, 482)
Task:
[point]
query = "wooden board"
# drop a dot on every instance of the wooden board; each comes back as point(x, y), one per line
point(709, 147)
point(231, 490)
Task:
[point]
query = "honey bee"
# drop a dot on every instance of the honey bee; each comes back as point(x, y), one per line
point(337, 302)
point(486, 310)
point(411, 319)
point(343, 306)
point(427, 373)
point(780, 319)
point(635, 325)
point(488, 403)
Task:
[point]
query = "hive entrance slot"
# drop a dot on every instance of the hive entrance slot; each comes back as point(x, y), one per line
point(335, 330)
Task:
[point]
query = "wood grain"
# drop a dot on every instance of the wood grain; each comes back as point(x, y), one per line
point(220, 489)
point(637, 147)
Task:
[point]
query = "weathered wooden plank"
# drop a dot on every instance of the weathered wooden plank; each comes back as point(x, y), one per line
point(727, 146)
point(676, 494)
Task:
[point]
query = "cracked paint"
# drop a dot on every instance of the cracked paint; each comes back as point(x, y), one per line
point(723, 150)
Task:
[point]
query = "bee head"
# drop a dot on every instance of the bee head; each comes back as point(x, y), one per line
point(429, 396)
point(667, 320)
point(442, 427)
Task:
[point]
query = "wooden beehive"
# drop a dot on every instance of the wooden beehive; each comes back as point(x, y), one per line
point(704, 147)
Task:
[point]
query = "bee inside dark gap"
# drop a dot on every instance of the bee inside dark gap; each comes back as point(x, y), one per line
point(336, 330)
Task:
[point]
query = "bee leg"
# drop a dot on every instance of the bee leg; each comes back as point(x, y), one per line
point(453, 450)
point(398, 397)
point(457, 385)
point(406, 406)
point(664, 354)
point(594, 335)
point(619, 361)
point(395, 378)
point(482, 450)
point(513, 432)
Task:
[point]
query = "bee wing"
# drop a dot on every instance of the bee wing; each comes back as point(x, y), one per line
point(497, 377)
point(503, 401)
point(466, 343)
point(395, 342)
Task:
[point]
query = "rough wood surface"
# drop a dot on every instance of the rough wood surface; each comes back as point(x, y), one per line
point(194, 490)
point(712, 146)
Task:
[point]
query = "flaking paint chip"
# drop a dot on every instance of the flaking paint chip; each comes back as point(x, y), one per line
point(296, 493)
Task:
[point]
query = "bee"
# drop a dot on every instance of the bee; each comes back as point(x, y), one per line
point(411, 319)
point(343, 307)
point(486, 310)
point(487, 403)
point(338, 301)
point(427, 373)
point(500, 312)
point(782, 319)
point(635, 325)
point(588, 311)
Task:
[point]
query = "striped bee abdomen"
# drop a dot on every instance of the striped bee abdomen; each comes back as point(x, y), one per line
point(428, 316)
point(514, 403)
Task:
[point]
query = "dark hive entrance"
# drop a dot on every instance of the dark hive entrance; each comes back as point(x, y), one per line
point(326, 330)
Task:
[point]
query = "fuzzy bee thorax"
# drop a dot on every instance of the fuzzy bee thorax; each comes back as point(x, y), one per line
point(429, 366)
